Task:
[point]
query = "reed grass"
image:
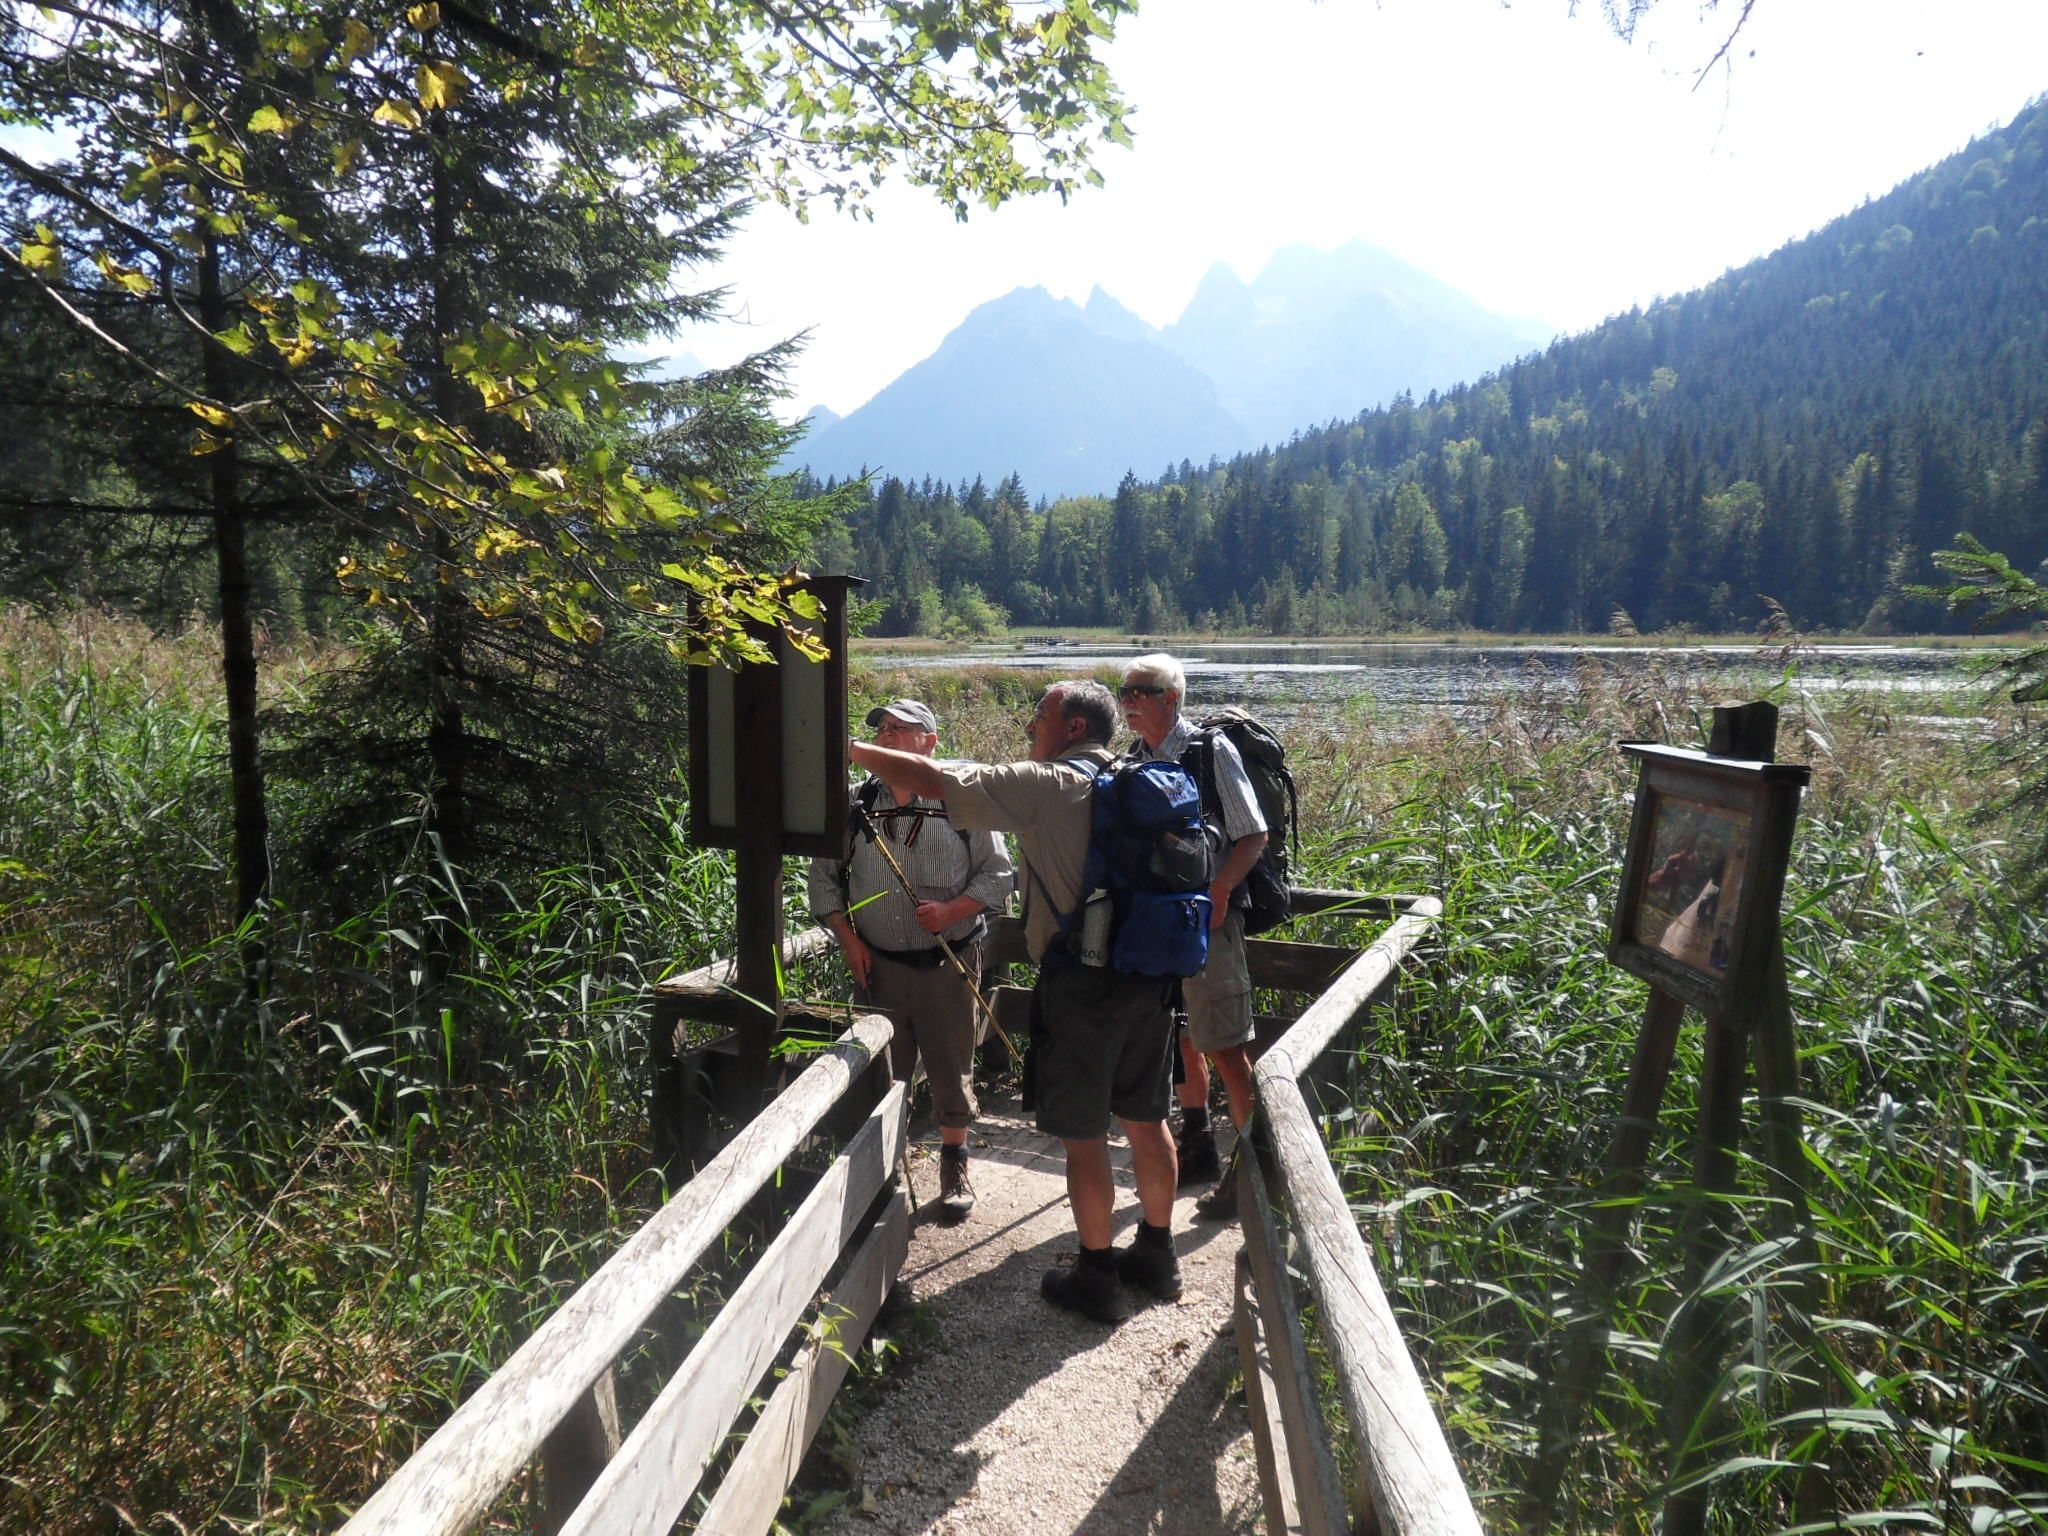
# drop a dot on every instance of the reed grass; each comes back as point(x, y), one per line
point(1917, 984)
point(254, 1249)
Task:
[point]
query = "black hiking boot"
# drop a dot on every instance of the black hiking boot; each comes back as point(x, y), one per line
point(1088, 1288)
point(1198, 1160)
point(1220, 1204)
point(956, 1193)
point(1149, 1263)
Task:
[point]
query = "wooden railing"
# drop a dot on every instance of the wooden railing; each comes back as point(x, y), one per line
point(554, 1400)
point(1405, 1482)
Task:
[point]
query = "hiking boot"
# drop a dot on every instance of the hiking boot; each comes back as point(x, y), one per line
point(1220, 1204)
point(956, 1193)
point(1151, 1266)
point(1089, 1289)
point(1198, 1160)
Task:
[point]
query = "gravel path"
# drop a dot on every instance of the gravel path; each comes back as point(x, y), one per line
point(1025, 1419)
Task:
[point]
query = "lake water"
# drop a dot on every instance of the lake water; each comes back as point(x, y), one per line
point(1295, 679)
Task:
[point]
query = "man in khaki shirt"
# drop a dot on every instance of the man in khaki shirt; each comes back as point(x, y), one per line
point(1103, 1037)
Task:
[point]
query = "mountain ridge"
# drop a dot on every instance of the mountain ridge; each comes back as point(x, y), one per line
point(1316, 335)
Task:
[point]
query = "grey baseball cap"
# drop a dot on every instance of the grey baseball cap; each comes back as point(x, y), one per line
point(909, 712)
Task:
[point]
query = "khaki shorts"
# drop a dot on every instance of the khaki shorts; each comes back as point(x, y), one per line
point(1219, 999)
point(1104, 1044)
point(934, 1014)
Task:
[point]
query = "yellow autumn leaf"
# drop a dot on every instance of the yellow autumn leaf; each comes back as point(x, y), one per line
point(212, 415)
point(398, 114)
point(42, 254)
point(125, 277)
point(424, 17)
point(440, 85)
point(356, 39)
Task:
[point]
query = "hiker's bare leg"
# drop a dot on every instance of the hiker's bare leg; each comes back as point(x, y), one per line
point(1157, 1169)
point(1091, 1190)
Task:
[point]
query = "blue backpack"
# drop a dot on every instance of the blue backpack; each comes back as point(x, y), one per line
point(1149, 851)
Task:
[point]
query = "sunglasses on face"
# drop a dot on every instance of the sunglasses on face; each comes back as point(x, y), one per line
point(1140, 691)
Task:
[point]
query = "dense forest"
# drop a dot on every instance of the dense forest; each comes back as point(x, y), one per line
point(1805, 431)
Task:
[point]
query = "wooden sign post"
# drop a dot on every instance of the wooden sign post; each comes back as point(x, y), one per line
point(767, 779)
point(1697, 918)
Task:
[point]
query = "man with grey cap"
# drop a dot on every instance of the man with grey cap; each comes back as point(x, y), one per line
point(890, 936)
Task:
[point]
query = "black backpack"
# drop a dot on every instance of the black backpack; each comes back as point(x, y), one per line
point(1263, 894)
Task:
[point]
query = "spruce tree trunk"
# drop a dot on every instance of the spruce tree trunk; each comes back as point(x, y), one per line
point(237, 629)
point(447, 742)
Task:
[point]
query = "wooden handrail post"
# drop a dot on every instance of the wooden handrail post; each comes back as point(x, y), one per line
point(577, 1450)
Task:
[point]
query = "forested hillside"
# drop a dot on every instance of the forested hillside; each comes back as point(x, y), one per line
point(1806, 430)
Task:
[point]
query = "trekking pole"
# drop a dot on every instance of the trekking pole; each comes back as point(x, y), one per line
point(882, 845)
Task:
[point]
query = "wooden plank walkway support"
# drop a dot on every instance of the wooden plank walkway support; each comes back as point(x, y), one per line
point(467, 1463)
point(1318, 1491)
point(694, 1076)
point(577, 1449)
point(554, 1399)
point(1409, 1484)
point(750, 1494)
point(646, 1485)
point(1262, 1399)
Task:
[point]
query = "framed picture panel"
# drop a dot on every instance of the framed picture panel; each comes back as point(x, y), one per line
point(1704, 872)
point(768, 743)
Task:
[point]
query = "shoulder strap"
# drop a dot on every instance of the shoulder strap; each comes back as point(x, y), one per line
point(1093, 769)
point(865, 797)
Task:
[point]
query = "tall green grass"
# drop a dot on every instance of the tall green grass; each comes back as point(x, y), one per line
point(251, 1250)
point(1917, 983)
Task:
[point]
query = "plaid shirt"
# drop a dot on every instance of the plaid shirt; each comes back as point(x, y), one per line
point(940, 862)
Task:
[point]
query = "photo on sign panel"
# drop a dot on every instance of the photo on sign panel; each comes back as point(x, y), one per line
point(1689, 898)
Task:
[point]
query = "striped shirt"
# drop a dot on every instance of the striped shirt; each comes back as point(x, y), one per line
point(1241, 814)
point(941, 864)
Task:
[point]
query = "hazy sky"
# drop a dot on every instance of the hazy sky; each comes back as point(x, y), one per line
point(1525, 156)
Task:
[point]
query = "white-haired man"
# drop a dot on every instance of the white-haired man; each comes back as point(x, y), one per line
point(1219, 999)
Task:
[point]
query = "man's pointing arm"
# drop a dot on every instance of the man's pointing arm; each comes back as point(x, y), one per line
point(906, 773)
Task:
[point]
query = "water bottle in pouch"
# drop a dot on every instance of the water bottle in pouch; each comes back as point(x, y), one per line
point(1093, 948)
